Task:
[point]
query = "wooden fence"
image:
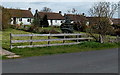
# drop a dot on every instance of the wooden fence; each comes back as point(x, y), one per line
point(77, 38)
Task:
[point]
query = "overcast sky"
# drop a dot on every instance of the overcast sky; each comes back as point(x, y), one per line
point(82, 6)
point(57, 0)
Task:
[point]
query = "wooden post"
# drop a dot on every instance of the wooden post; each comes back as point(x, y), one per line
point(48, 38)
point(31, 39)
point(10, 40)
point(77, 36)
point(64, 40)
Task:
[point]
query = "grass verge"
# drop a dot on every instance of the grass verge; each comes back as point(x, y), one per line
point(85, 46)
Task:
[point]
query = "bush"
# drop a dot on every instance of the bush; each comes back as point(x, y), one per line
point(36, 22)
point(117, 32)
point(34, 29)
point(44, 31)
point(54, 31)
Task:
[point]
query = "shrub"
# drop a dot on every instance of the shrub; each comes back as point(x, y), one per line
point(44, 31)
point(34, 29)
point(54, 31)
point(36, 22)
point(117, 32)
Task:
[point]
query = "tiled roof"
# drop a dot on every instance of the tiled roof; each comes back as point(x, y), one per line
point(51, 15)
point(75, 17)
point(20, 13)
point(94, 20)
point(116, 21)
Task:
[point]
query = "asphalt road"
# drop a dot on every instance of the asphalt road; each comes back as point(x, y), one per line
point(102, 61)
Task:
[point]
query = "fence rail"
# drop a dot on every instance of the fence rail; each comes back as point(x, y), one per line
point(77, 38)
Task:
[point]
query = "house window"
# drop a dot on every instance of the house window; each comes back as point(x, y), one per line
point(28, 20)
point(20, 19)
point(55, 21)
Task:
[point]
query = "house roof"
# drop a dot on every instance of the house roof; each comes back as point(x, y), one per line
point(20, 13)
point(75, 17)
point(94, 20)
point(51, 15)
point(116, 20)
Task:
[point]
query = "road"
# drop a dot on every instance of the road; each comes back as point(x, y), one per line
point(101, 61)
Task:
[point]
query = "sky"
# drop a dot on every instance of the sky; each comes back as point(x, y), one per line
point(57, 0)
point(63, 5)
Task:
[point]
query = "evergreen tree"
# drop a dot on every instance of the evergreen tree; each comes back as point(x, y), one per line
point(44, 22)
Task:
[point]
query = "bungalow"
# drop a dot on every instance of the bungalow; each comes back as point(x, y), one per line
point(19, 16)
point(76, 18)
point(54, 19)
point(94, 20)
point(116, 21)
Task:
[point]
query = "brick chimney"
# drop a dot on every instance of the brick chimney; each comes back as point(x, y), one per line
point(29, 9)
point(36, 11)
point(60, 12)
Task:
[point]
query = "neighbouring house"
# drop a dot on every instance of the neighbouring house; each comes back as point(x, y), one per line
point(19, 16)
point(95, 20)
point(54, 19)
point(116, 22)
point(76, 18)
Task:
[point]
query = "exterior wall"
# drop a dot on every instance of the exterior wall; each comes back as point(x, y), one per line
point(55, 22)
point(24, 21)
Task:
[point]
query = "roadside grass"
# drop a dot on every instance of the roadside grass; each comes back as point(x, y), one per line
point(84, 46)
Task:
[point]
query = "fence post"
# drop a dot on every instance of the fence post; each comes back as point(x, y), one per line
point(64, 38)
point(31, 39)
point(10, 40)
point(77, 36)
point(49, 38)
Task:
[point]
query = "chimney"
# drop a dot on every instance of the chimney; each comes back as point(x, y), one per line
point(36, 11)
point(83, 14)
point(29, 9)
point(60, 12)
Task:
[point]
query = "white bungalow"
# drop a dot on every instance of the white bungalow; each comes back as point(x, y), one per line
point(54, 19)
point(19, 16)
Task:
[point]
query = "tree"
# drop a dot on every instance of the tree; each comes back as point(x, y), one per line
point(46, 9)
point(104, 11)
point(6, 18)
point(36, 22)
point(73, 10)
point(44, 21)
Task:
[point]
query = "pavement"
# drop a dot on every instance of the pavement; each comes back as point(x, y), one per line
point(8, 54)
point(101, 61)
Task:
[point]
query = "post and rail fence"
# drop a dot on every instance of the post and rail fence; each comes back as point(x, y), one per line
point(49, 39)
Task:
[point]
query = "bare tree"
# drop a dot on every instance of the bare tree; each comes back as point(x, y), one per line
point(46, 9)
point(104, 11)
point(73, 10)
